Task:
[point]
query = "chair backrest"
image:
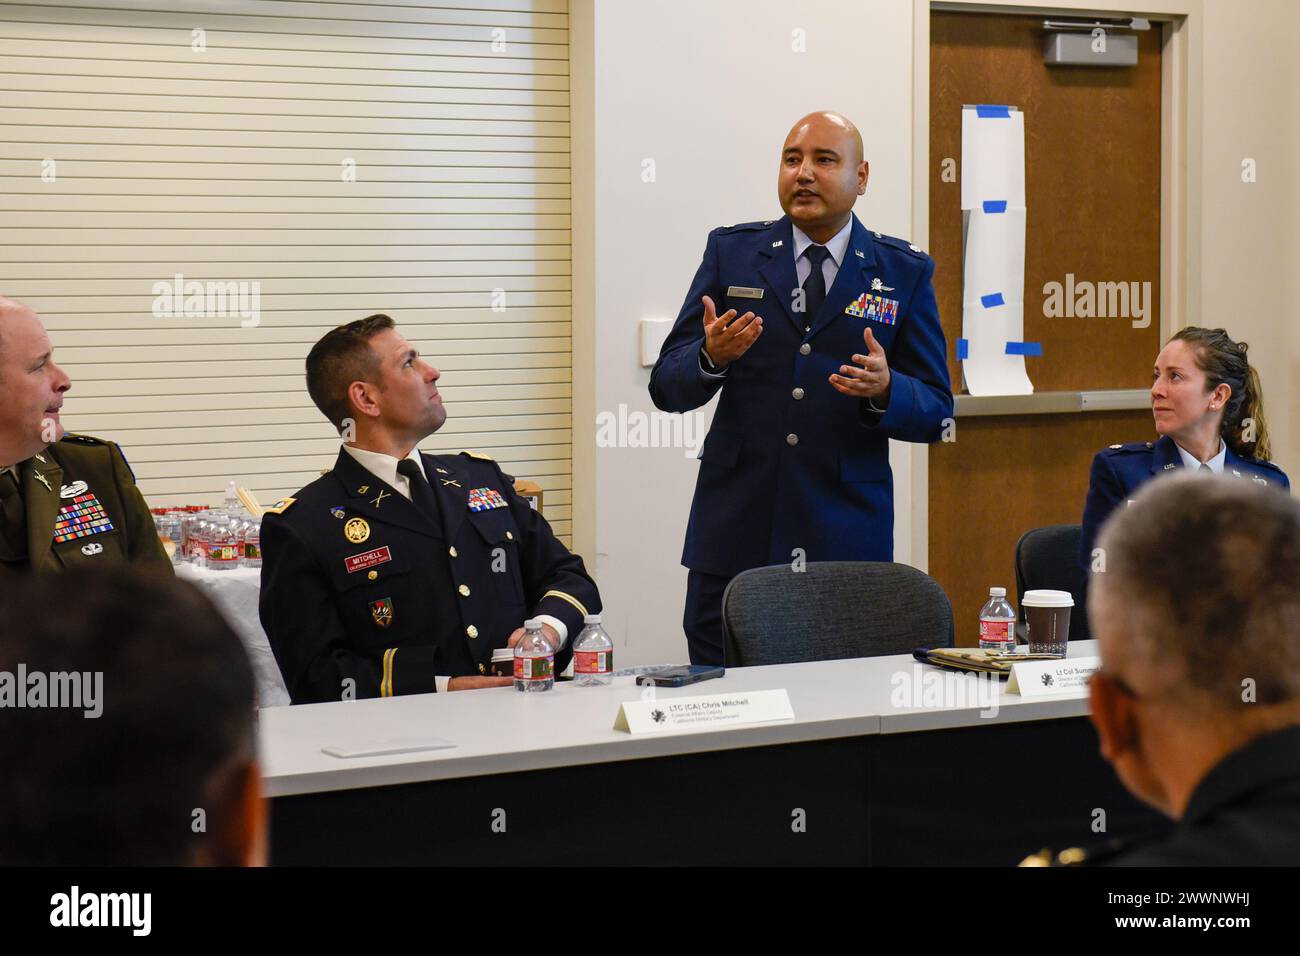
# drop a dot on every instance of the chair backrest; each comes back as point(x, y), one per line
point(832, 610)
point(1049, 558)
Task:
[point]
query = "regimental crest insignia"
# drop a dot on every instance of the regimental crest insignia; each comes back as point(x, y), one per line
point(382, 612)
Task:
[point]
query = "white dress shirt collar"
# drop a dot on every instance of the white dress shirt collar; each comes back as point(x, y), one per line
point(1215, 463)
point(384, 467)
point(837, 246)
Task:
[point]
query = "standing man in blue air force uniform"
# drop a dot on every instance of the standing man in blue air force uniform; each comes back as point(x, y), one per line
point(824, 339)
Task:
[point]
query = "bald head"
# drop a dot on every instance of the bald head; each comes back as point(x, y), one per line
point(822, 174)
point(11, 311)
point(32, 382)
point(829, 124)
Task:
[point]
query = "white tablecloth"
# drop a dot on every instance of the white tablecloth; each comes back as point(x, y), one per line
point(235, 594)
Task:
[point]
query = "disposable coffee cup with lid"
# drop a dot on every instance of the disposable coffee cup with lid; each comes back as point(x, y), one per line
point(1047, 617)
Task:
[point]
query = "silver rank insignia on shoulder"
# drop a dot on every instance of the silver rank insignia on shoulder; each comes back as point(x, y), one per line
point(43, 480)
point(914, 247)
point(778, 244)
point(876, 234)
point(878, 285)
point(1115, 447)
point(1259, 481)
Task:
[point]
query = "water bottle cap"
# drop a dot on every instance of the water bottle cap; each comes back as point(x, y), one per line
point(591, 619)
point(532, 624)
point(997, 592)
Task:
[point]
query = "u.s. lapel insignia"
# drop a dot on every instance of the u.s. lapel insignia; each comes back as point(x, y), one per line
point(778, 244)
point(449, 481)
point(363, 489)
point(43, 480)
point(1170, 465)
point(878, 285)
point(357, 530)
point(859, 253)
point(382, 611)
point(382, 495)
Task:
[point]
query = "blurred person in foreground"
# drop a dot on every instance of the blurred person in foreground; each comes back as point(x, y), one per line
point(127, 726)
point(1197, 702)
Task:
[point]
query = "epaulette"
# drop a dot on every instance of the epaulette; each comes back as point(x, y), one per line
point(1265, 463)
point(92, 441)
point(280, 507)
point(743, 226)
point(896, 243)
point(1130, 447)
point(85, 439)
point(474, 454)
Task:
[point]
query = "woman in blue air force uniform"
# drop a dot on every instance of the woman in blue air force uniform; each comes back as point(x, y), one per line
point(1209, 414)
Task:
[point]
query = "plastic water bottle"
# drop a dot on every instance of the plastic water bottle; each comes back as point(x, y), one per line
point(223, 545)
point(253, 544)
point(998, 624)
point(593, 655)
point(534, 659)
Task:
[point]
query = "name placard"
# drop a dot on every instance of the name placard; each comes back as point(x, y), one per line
point(713, 710)
point(1052, 678)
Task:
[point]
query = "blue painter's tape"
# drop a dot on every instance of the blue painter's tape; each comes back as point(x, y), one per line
point(995, 205)
point(1024, 348)
point(963, 349)
point(990, 301)
point(987, 111)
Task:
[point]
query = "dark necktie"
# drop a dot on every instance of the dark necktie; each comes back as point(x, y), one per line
point(13, 519)
point(814, 287)
point(421, 494)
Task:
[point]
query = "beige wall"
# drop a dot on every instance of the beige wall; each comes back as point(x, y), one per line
point(707, 89)
point(1250, 242)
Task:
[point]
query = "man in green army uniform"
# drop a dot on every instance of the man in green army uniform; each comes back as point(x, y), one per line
point(65, 500)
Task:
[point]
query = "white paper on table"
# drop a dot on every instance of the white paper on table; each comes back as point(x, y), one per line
point(992, 159)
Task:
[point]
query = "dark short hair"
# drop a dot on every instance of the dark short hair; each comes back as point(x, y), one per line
point(341, 357)
point(1208, 570)
point(177, 722)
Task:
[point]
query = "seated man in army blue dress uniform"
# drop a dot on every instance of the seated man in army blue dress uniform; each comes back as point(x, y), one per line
point(400, 572)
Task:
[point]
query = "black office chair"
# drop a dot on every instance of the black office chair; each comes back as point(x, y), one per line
point(832, 610)
point(1049, 558)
